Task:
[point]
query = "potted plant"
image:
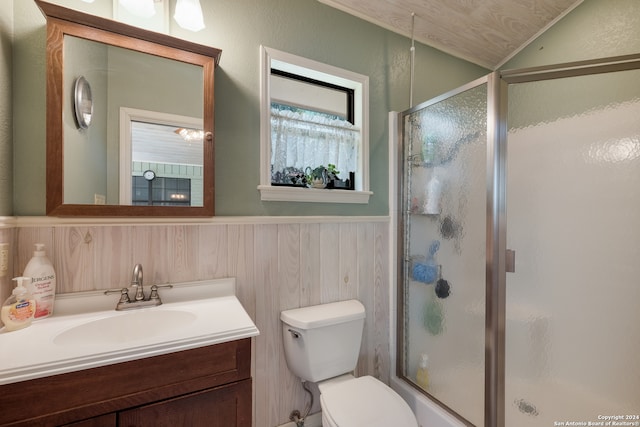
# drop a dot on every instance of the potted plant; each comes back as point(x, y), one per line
point(326, 177)
point(333, 181)
point(316, 178)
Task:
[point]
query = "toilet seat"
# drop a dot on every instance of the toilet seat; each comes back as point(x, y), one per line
point(364, 402)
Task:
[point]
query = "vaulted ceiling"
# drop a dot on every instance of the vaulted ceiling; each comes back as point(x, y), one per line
point(485, 32)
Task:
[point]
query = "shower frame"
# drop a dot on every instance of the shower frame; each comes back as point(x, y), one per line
point(497, 253)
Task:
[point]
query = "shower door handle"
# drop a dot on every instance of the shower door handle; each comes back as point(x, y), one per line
point(510, 261)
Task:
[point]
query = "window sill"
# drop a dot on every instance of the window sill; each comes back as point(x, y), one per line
point(270, 193)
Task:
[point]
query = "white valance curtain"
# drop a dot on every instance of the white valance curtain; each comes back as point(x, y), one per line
point(303, 139)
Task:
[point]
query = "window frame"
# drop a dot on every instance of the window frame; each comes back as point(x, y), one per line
point(349, 93)
point(272, 58)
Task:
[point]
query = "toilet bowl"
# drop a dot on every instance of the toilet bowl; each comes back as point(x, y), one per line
point(363, 402)
point(346, 401)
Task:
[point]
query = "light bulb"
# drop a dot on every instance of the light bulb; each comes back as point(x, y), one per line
point(190, 135)
point(189, 15)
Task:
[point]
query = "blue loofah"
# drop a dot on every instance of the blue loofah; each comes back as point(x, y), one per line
point(425, 273)
point(419, 272)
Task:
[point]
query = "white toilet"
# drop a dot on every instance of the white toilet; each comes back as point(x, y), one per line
point(321, 345)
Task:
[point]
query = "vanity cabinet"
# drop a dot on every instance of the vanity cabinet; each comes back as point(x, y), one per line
point(216, 407)
point(208, 386)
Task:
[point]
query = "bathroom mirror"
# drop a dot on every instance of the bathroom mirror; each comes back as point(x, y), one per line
point(127, 69)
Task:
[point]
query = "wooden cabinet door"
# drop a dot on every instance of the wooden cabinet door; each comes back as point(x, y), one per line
point(108, 420)
point(225, 406)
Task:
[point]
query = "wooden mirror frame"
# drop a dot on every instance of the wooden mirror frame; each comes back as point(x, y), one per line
point(61, 21)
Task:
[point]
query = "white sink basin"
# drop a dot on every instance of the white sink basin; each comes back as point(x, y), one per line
point(130, 326)
point(86, 331)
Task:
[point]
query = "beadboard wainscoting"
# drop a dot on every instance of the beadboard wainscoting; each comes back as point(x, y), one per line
point(279, 264)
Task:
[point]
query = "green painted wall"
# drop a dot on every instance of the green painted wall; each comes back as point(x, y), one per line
point(595, 29)
point(302, 27)
point(28, 82)
point(6, 114)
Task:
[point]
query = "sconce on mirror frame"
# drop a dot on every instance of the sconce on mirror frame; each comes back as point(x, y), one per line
point(82, 102)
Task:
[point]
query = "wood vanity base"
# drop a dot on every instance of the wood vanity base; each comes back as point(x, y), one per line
point(208, 386)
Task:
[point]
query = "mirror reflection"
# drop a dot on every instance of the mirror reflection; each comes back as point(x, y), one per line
point(162, 161)
point(167, 165)
point(140, 101)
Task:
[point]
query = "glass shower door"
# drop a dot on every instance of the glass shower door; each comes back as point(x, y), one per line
point(573, 219)
point(443, 244)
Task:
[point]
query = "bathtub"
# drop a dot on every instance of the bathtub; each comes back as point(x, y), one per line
point(532, 404)
point(428, 413)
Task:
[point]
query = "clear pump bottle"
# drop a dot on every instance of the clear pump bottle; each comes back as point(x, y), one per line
point(422, 376)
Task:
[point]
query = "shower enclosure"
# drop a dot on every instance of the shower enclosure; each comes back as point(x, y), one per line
point(519, 246)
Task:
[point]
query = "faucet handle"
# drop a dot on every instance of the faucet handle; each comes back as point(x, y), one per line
point(139, 291)
point(154, 291)
point(124, 294)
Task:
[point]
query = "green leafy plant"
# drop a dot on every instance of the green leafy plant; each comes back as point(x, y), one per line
point(332, 173)
point(317, 173)
point(327, 174)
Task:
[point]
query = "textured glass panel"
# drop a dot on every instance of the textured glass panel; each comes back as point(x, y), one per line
point(573, 206)
point(444, 249)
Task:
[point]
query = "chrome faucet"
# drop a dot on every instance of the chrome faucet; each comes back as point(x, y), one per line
point(139, 301)
point(136, 282)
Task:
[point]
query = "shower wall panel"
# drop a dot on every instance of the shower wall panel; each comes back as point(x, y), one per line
point(573, 204)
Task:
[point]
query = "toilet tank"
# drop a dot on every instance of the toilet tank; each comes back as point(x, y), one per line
point(323, 341)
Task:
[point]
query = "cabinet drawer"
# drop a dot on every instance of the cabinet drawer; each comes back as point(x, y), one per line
point(224, 406)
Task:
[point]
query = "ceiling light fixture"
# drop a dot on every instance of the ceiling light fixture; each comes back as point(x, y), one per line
point(190, 135)
point(189, 15)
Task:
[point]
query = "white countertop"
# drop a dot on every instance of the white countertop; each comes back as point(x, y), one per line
point(215, 314)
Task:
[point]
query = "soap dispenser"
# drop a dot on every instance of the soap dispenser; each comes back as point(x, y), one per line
point(43, 284)
point(18, 310)
point(422, 376)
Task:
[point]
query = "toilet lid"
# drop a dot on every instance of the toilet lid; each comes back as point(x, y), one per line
point(365, 402)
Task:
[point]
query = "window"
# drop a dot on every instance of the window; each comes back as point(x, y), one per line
point(161, 191)
point(312, 115)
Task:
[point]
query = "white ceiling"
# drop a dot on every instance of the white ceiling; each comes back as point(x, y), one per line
point(157, 143)
point(485, 32)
